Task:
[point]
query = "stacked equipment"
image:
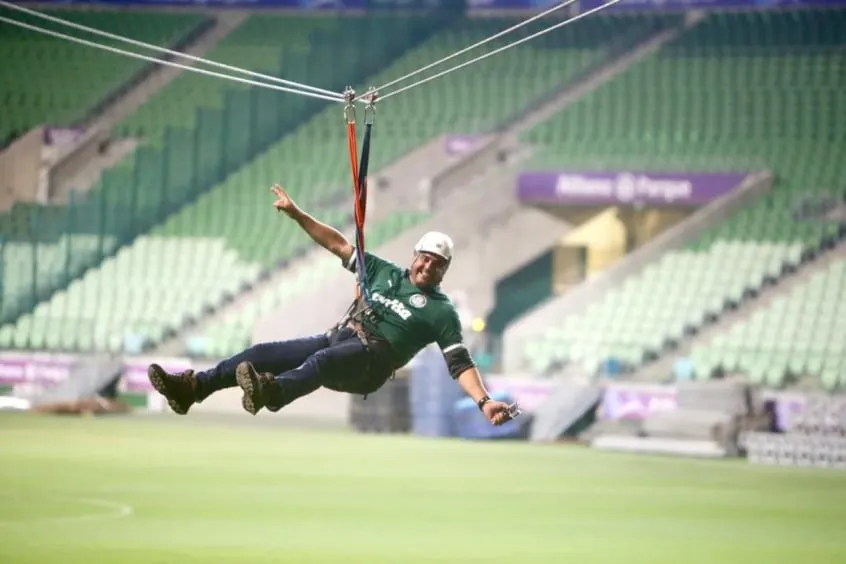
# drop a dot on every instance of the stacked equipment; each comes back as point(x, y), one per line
point(816, 437)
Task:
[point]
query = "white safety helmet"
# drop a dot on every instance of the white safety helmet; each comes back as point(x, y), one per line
point(436, 243)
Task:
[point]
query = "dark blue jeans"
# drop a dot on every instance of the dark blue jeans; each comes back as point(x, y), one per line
point(340, 362)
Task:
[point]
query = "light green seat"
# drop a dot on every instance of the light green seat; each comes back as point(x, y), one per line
point(46, 80)
point(705, 102)
point(793, 344)
point(232, 142)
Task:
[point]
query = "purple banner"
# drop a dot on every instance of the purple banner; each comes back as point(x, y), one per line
point(609, 188)
point(529, 393)
point(46, 370)
point(620, 401)
point(704, 4)
point(508, 4)
point(637, 403)
point(787, 406)
point(135, 371)
point(59, 136)
point(461, 144)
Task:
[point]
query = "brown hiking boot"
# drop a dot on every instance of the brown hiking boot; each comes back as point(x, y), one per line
point(179, 389)
point(259, 389)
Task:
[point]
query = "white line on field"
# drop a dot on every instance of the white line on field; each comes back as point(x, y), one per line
point(113, 510)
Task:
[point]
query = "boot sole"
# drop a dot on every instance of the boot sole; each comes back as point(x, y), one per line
point(247, 379)
point(160, 385)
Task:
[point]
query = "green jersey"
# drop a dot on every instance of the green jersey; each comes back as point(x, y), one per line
point(408, 318)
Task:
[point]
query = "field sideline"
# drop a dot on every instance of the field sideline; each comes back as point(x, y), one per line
point(165, 489)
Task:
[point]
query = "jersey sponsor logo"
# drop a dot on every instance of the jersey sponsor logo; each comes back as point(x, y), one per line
point(395, 306)
point(417, 300)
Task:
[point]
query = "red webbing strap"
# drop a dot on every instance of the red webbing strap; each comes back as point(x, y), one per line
point(353, 153)
point(359, 189)
point(358, 209)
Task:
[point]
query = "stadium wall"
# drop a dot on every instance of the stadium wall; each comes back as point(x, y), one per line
point(74, 158)
point(20, 164)
point(27, 375)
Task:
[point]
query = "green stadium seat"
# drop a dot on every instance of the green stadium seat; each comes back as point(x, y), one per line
point(799, 334)
point(261, 44)
point(46, 80)
point(231, 124)
point(738, 91)
point(160, 177)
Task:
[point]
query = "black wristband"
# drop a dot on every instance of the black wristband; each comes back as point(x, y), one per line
point(481, 403)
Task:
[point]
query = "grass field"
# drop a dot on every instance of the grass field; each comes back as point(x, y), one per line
point(165, 489)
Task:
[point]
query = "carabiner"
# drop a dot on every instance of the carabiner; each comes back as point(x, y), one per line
point(370, 106)
point(349, 107)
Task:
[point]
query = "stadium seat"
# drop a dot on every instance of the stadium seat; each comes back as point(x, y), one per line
point(171, 170)
point(310, 159)
point(161, 283)
point(46, 80)
point(448, 106)
point(798, 334)
point(738, 91)
point(261, 44)
point(671, 297)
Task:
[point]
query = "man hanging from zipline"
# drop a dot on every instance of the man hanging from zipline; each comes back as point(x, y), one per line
point(397, 312)
point(407, 312)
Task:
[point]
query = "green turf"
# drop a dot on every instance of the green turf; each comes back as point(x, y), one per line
point(211, 493)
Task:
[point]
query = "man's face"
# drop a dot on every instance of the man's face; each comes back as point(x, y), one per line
point(427, 270)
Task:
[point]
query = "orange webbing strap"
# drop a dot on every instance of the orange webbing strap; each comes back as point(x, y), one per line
point(359, 187)
point(351, 140)
point(359, 206)
point(353, 153)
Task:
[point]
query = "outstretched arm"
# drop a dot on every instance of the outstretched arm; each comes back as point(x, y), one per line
point(324, 235)
point(470, 380)
point(463, 369)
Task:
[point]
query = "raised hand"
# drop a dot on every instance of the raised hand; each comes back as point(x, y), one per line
point(283, 202)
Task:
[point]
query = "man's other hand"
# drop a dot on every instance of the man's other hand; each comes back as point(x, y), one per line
point(496, 412)
point(283, 202)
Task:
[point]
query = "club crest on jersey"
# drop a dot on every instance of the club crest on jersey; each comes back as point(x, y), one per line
point(417, 300)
